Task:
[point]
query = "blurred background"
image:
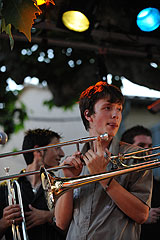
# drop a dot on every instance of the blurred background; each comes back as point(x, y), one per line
point(41, 80)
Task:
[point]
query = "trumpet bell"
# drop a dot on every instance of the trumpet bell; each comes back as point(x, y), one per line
point(19, 231)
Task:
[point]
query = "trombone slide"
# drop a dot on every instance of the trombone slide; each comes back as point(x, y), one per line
point(54, 186)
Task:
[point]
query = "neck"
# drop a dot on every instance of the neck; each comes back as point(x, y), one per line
point(105, 143)
point(35, 178)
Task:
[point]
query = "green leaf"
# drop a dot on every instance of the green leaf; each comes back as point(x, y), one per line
point(20, 14)
point(7, 29)
point(1, 4)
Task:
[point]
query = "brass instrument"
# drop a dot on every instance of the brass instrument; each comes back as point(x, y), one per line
point(77, 142)
point(54, 186)
point(14, 192)
point(14, 197)
point(116, 160)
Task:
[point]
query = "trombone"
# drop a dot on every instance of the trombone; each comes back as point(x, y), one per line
point(116, 160)
point(14, 192)
point(54, 187)
point(77, 142)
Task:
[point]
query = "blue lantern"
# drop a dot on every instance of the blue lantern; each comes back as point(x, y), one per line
point(148, 19)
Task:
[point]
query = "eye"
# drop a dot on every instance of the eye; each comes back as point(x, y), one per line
point(108, 107)
point(120, 109)
point(141, 145)
point(57, 148)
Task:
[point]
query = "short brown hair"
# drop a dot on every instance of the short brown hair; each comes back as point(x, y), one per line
point(92, 94)
point(39, 137)
point(129, 134)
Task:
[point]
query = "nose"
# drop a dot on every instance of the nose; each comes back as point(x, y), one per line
point(114, 114)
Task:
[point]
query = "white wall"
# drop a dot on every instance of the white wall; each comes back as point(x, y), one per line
point(66, 123)
point(142, 116)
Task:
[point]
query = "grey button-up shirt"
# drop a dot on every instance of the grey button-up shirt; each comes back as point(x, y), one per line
point(96, 216)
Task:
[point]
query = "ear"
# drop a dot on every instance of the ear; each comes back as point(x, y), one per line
point(37, 152)
point(86, 114)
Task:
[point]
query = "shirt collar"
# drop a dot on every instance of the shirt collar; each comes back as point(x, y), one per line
point(114, 147)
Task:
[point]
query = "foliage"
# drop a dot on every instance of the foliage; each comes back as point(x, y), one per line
point(14, 15)
point(11, 117)
point(67, 71)
point(66, 61)
point(19, 14)
point(7, 29)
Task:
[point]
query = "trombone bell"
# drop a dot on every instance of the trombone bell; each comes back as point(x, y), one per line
point(52, 187)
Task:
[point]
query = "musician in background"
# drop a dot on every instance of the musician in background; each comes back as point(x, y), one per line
point(114, 208)
point(141, 136)
point(39, 220)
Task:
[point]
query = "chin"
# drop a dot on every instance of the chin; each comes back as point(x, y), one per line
point(112, 134)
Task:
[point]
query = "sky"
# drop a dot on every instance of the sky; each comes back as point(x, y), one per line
point(131, 89)
point(128, 89)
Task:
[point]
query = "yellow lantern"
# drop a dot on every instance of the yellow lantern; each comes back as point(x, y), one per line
point(76, 21)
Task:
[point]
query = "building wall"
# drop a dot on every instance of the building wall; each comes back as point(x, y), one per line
point(140, 115)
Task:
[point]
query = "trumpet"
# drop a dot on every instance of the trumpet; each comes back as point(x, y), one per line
point(14, 197)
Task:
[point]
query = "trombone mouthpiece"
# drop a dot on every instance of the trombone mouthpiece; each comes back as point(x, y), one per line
point(104, 136)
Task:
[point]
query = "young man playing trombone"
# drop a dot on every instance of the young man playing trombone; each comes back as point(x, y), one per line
point(114, 208)
point(38, 219)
